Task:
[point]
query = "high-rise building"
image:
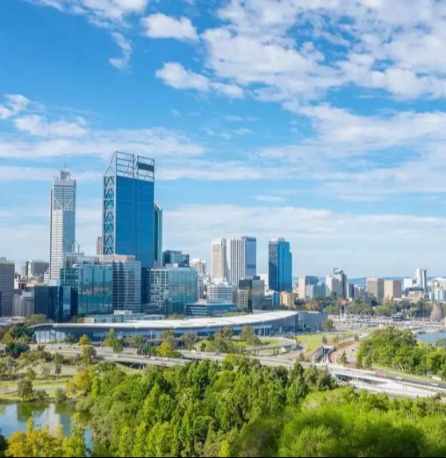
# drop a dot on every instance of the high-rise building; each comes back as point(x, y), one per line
point(36, 269)
point(375, 288)
point(63, 221)
point(304, 282)
point(128, 208)
point(158, 234)
point(333, 287)
point(175, 258)
point(104, 285)
point(219, 261)
point(199, 265)
point(7, 272)
point(255, 287)
point(392, 289)
point(280, 265)
point(313, 291)
point(342, 279)
point(420, 280)
point(99, 246)
point(172, 288)
point(242, 258)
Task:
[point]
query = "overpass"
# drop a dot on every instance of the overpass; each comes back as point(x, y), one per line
point(367, 380)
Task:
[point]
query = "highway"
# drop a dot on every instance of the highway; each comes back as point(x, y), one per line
point(375, 382)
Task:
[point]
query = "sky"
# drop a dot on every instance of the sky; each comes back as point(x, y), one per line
point(321, 121)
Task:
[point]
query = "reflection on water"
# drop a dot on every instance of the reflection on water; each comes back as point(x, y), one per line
point(13, 417)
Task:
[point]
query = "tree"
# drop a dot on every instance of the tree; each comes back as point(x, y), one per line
point(74, 446)
point(228, 332)
point(80, 384)
point(3, 445)
point(45, 370)
point(30, 374)
point(343, 358)
point(189, 340)
point(88, 355)
point(324, 340)
point(58, 360)
point(36, 319)
point(84, 340)
point(60, 396)
point(169, 337)
point(328, 325)
point(25, 389)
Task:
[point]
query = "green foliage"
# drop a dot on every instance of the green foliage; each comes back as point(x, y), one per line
point(113, 342)
point(88, 355)
point(3, 445)
point(36, 319)
point(25, 389)
point(15, 349)
point(249, 336)
point(343, 358)
point(400, 350)
point(328, 325)
point(60, 395)
point(189, 340)
point(18, 333)
point(84, 340)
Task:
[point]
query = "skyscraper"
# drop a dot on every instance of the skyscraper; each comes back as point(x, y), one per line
point(199, 265)
point(242, 258)
point(420, 279)
point(99, 246)
point(158, 234)
point(280, 265)
point(63, 221)
point(172, 257)
point(7, 271)
point(375, 288)
point(128, 208)
point(219, 262)
point(341, 277)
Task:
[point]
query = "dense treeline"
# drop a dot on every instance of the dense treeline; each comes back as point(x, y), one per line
point(400, 349)
point(242, 409)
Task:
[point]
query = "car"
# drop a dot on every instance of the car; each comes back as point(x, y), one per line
point(400, 378)
point(434, 384)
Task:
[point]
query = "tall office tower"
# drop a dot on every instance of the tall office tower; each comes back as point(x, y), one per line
point(199, 265)
point(158, 234)
point(333, 287)
point(420, 279)
point(128, 208)
point(375, 288)
point(341, 277)
point(242, 258)
point(280, 265)
point(392, 289)
point(7, 272)
point(99, 246)
point(23, 304)
point(219, 261)
point(221, 291)
point(255, 287)
point(173, 257)
point(63, 221)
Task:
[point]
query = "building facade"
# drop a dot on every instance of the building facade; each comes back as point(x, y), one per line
point(173, 257)
point(221, 291)
point(420, 280)
point(7, 273)
point(158, 234)
point(255, 287)
point(62, 221)
point(280, 266)
point(199, 265)
point(393, 289)
point(128, 208)
point(375, 288)
point(242, 258)
point(36, 269)
point(305, 281)
point(219, 261)
point(23, 304)
point(99, 246)
point(171, 288)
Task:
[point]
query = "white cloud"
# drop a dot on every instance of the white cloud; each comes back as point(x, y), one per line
point(161, 26)
point(39, 126)
point(126, 48)
point(175, 75)
point(15, 103)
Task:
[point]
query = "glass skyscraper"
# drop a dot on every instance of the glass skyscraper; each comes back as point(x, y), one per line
point(63, 221)
point(158, 234)
point(128, 208)
point(280, 265)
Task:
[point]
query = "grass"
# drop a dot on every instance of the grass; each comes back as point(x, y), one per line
point(311, 342)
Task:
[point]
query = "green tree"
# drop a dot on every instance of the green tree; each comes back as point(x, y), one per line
point(328, 325)
point(80, 384)
point(30, 374)
point(84, 340)
point(60, 396)
point(88, 355)
point(228, 332)
point(3, 445)
point(74, 446)
point(343, 358)
point(189, 340)
point(36, 319)
point(25, 389)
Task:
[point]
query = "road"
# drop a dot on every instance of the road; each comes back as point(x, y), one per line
point(376, 382)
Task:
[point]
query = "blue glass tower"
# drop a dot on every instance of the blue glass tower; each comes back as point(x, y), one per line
point(280, 265)
point(128, 208)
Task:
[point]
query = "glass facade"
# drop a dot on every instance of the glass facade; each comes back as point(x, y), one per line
point(95, 289)
point(128, 208)
point(280, 266)
point(158, 235)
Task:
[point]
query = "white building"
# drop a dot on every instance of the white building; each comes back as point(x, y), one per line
point(420, 279)
point(222, 291)
point(219, 262)
point(333, 286)
point(242, 258)
point(63, 221)
point(199, 265)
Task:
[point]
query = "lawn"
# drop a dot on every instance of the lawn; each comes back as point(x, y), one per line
point(310, 342)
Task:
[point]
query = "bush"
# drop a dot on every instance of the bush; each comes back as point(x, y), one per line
point(40, 395)
point(60, 395)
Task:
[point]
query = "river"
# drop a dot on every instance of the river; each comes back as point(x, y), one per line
point(431, 337)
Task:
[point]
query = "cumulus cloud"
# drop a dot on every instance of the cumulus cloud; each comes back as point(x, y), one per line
point(161, 26)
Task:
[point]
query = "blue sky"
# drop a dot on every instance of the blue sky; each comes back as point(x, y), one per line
point(320, 121)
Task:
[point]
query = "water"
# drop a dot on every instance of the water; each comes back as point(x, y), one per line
point(431, 337)
point(13, 417)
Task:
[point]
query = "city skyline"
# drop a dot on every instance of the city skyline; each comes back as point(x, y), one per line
point(257, 126)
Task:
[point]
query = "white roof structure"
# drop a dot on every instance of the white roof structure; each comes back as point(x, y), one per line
point(193, 323)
